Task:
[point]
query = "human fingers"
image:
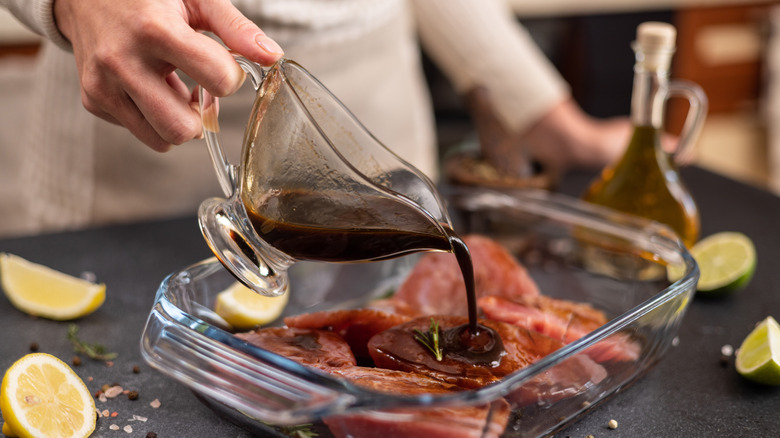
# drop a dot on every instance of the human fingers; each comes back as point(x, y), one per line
point(112, 43)
point(126, 113)
point(125, 61)
point(238, 32)
point(190, 96)
point(153, 106)
point(201, 58)
point(164, 105)
point(174, 81)
point(131, 118)
point(106, 116)
point(204, 59)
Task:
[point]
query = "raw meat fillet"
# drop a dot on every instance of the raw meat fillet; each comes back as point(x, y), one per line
point(575, 375)
point(436, 287)
point(560, 319)
point(390, 305)
point(397, 348)
point(316, 348)
point(355, 326)
point(440, 421)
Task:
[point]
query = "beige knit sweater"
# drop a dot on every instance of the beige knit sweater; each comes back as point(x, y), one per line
point(79, 171)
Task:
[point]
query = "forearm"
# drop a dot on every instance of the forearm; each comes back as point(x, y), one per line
point(38, 16)
point(479, 43)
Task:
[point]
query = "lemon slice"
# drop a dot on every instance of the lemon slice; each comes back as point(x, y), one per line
point(758, 358)
point(7, 431)
point(726, 260)
point(244, 308)
point(41, 291)
point(41, 396)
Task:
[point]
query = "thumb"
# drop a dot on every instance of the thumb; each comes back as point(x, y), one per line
point(240, 34)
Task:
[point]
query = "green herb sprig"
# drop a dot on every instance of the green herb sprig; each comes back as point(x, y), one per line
point(294, 431)
point(300, 431)
point(92, 351)
point(430, 340)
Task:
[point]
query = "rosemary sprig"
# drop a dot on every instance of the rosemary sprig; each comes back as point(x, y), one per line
point(300, 431)
point(430, 340)
point(294, 431)
point(93, 351)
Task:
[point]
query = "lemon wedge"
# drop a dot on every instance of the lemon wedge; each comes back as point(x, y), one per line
point(244, 308)
point(7, 431)
point(42, 396)
point(41, 291)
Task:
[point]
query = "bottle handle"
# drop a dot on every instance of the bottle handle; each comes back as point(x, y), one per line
point(209, 111)
point(694, 120)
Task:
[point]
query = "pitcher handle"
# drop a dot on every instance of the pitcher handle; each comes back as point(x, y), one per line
point(694, 120)
point(209, 111)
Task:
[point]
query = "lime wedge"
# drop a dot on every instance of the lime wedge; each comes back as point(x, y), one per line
point(758, 358)
point(726, 260)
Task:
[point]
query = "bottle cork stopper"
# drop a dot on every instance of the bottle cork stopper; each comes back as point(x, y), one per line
point(653, 35)
point(656, 41)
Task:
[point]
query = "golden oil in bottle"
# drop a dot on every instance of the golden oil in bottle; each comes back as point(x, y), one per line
point(645, 181)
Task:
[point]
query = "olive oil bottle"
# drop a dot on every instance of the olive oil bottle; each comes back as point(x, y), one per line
point(645, 181)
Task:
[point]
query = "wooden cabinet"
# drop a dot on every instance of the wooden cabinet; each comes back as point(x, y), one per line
point(721, 49)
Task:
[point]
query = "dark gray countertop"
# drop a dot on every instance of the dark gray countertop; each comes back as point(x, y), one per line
point(690, 393)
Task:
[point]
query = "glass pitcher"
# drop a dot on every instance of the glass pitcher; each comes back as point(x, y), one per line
point(312, 184)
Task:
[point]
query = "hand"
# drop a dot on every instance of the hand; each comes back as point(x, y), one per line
point(564, 138)
point(127, 53)
point(567, 138)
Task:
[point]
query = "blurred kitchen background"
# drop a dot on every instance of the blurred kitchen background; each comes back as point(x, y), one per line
point(729, 47)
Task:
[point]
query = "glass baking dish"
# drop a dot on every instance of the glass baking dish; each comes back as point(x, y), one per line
point(573, 250)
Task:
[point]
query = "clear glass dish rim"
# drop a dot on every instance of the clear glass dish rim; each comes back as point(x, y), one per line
point(555, 206)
